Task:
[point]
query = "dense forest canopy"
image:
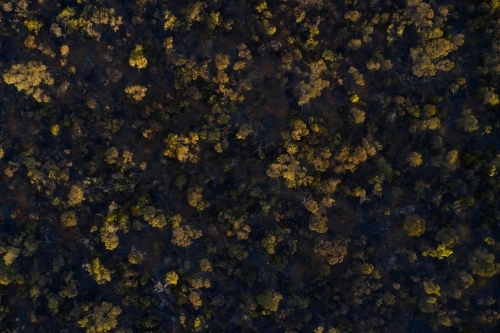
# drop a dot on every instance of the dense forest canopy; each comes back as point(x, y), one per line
point(249, 166)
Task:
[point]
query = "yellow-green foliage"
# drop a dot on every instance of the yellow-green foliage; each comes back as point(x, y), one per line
point(27, 78)
point(54, 130)
point(153, 217)
point(170, 20)
point(33, 25)
point(328, 56)
point(261, 6)
point(171, 278)
point(439, 252)
point(269, 301)
point(137, 58)
point(489, 240)
point(267, 27)
point(214, 19)
point(66, 17)
point(100, 274)
point(432, 289)
point(110, 240)
point(268, 243)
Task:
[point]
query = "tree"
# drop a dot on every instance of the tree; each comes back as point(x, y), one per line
point(483, 263)
point(352, 15)
point(10, 254)
point(414, 159)
point(76, 195)
point(333, 252)
point(185, 149)
point(27, 78)
point(491, 98)
point(193, 13)
point(137, 58)
point(357, 76)
point(170, 20)
point(184, 236)
point(102, 319)
point(428, 58)
point(358, 115)
point(33, 25)
point(244, 131)
point(439, 252)
point(222, 61)
point(269, 242)
point(414, 225)
point(313, 88)
point(135, 257)
point(289, 168)
point(110, 240)
point(195, 198)
point(137, 92)
point(317, 223)
point(467, 122)
point(153, 218)
point(448, 237)
point(111, 155)
point(100, 274)
point(419, 13)
point(171, 278)
point(269, 301)
point(68, 219)
point(195, 298)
